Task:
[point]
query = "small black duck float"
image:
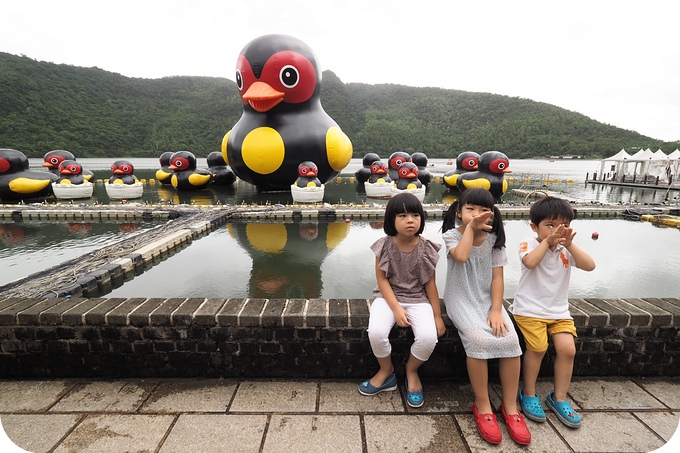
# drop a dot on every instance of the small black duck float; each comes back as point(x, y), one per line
point(465, 162)
point(492, 167)
point(164, 174)
point(222, 173)
point(185, 174)
point(72, 184)
point(123, 184)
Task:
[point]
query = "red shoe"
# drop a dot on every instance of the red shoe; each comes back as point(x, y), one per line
point(487, 426)
point(517, 428)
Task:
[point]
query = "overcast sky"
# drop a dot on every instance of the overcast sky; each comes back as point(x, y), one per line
point(617, 62)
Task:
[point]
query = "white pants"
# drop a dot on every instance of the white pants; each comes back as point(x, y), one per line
point(421, 317)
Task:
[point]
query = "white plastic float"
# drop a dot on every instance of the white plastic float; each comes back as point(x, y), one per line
point(307, 194)
point(72, 191)
point(124, 191)
point(378, 189)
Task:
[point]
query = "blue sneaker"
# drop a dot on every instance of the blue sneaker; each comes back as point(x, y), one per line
point(390, 384)
point(414, 399)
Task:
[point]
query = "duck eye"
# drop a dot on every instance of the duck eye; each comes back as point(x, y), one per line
point(239, 80)
point(289, 76)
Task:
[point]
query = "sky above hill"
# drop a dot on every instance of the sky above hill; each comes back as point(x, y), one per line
point(617, 62)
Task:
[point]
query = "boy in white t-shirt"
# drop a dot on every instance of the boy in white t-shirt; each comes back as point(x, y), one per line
point(541, 306)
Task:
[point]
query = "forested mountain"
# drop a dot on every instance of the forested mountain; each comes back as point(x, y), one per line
point(95, 113)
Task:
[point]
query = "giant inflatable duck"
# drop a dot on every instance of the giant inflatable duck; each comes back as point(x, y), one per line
point(492, 167)
point(186, 176)
point(17, 182)
point(71, 184)
point(465, 162)
point(123, 184)
point(52, 159)
point(364, 173)
point(222, 173)
point(164, 174)
point(283, 122)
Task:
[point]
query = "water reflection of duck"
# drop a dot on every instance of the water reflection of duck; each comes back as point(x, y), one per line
point(283, 123)
point(465, 162)
point(17, 182)
point(364, 173)
point(287, 257)
point(164, 174)
point(186, 176)
point(490, 174)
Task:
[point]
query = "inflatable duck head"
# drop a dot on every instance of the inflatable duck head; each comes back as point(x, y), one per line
point(407, 177)
point(283, 123)
point(379, 172)
point(71, 172)
point(307, 175)
point(395, 161)
point(420, 159)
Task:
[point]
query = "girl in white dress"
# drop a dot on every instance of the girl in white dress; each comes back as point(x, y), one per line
point(475, 247)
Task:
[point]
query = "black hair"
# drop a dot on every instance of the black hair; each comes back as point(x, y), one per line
point(550, 208)
point(477, 197)
point(402, 203)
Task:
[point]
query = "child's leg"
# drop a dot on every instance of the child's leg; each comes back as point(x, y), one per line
point(509, 369)
point(531, 365)
point(424, 328)
point(565, 350)
point(478, 372)
point(380, 323)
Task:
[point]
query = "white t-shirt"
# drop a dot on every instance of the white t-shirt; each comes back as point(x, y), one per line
point(543, 291)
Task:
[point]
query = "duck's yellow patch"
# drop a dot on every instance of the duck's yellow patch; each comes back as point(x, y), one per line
point(197, 179)
point(267, 237)
point(28, 185)
point(224, 147)
point(480, 183)
point(263, 150)
point(338, 148)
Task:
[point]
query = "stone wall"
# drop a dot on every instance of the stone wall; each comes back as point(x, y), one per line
point(112, 338)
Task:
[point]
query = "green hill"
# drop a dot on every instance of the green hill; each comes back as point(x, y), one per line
point(95, 113)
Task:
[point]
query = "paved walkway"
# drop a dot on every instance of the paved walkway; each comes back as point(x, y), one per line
point(203, 415)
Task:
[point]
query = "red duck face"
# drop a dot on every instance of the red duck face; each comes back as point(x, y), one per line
point(378, 168)
point(308, 169)
point(408, 170)
point(52, 159)
point(122, 167)
point(267, 74)
point(70, 167)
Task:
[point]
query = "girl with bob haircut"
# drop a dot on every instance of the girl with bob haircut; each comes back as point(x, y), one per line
point(406, 295)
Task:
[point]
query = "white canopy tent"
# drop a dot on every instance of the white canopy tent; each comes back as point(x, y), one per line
point(640, 166)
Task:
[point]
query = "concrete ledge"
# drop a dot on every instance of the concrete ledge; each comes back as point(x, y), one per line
point(197, 337)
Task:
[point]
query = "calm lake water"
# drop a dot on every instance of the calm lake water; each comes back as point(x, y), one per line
point(294, 259)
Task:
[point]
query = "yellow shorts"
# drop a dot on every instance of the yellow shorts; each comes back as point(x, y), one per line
point(536, 330)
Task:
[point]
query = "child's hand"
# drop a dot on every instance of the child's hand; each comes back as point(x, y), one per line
point(441, 328)
point(556, 235)
point(497, 323)
point(568, 236)
point(482, 221)
point(400, 316)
